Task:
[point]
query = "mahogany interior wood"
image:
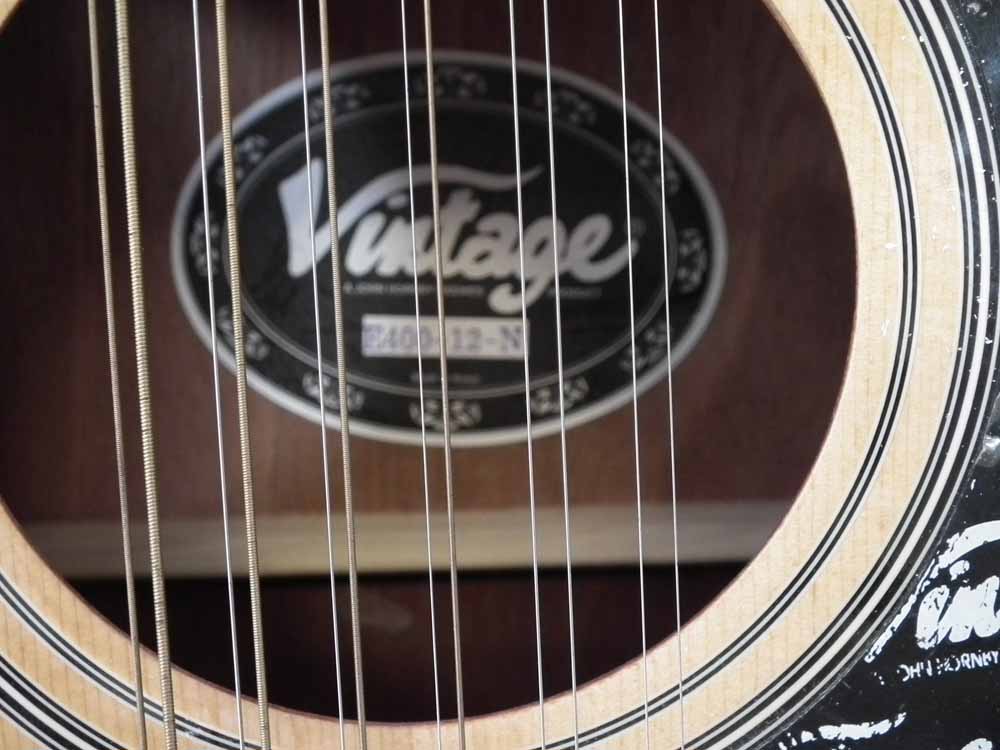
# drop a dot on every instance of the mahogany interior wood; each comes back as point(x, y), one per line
point(753, 400)
point(396, 633)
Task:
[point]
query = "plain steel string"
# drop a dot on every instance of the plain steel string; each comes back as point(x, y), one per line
point(559, 368)
point(216, 388)
point(527, 380)
point(334, 254)
point(334, 260)
point(338, 326)
point(635, 387)
point(116, 401)
point(670, 377)
point(142, 374)
point(443, 349)
point(420, 380)
point(239, 354)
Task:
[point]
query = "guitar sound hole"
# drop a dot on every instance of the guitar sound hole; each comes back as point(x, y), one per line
point(753, 397)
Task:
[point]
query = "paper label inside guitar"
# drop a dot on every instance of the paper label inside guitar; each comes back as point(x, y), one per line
point(479, 235)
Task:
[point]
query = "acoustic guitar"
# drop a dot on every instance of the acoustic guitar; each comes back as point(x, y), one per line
point(524, 375)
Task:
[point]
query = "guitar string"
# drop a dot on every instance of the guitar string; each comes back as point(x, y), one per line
point(216, 387)
point(670, 379)
point(441, 325)
point(443, 350)
point(341, 375)
point(239, 355)
point(342, 394)
point(644, 663)
point(527, 378)
point(142, 373)
point(420, 382)
point(334, 255)
point(141, 349)
point(561, 377)
point(116, 402)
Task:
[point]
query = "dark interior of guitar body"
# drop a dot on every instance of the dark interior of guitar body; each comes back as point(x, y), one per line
point(754, 398)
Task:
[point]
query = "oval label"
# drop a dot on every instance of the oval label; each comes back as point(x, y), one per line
point(479, 244)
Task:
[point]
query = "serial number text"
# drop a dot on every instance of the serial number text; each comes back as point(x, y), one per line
point(467, 337)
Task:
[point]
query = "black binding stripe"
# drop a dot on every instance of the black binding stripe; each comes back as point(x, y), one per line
point(44, 718)
point(53, 712)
